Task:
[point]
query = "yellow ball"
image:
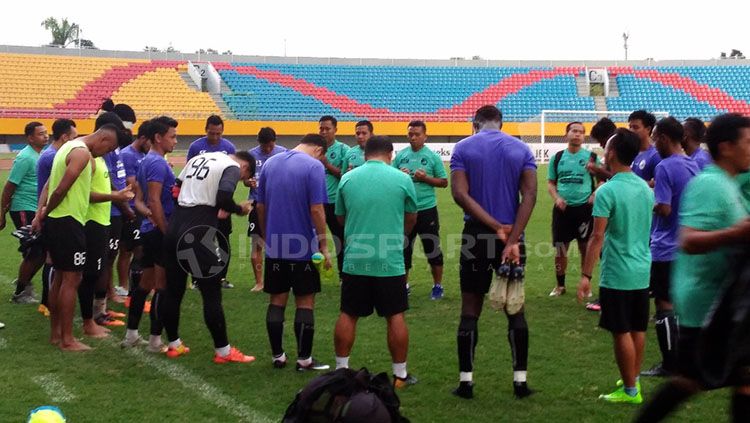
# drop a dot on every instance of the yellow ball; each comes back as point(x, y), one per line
point(46, 414)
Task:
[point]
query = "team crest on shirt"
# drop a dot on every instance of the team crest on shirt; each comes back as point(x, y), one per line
point(642, 164)
point(333, 155)
point(424, 161)
point(581, 162)
point(404, 160)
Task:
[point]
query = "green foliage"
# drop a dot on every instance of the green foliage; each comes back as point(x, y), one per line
point(63, 32)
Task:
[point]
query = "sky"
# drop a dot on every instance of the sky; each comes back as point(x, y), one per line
point(497, 30)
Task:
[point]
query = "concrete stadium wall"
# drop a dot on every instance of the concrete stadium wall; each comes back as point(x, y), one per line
point(358, 61)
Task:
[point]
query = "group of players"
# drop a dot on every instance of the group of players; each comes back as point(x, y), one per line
point(661, 213)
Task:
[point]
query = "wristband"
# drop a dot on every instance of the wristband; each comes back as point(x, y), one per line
point(586, 276)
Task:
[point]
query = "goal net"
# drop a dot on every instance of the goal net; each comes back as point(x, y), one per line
point(545, 133)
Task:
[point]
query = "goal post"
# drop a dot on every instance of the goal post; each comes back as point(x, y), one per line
point(549, 125)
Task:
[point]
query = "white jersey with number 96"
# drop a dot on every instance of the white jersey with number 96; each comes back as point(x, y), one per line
point(201, 177)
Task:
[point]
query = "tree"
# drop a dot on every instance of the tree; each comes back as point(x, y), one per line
point(63, 32)
point(84, 43)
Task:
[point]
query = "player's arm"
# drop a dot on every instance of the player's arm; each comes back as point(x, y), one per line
point(593, 251)
point(460, 193)
point(421, 176)
point(318, 214)
point(36, 224)
point(8, 191)
point(552, 190)
point(663, 209)
point(333, 170)
point(410, 220)
point(261, 209)
point(528, 188)
point(154, 205)
point(696, 241)
point(225, 193)
point(76, 161)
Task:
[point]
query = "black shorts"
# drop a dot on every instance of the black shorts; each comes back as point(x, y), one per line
point(130, 236)
point(576, 222)
point(153, 249)
point(22, 218)
point(115, 232)
point(623, 311)
point(481, 253)
point(428, 229)
point(361, 294)
point(281, 275)
point(97, 237)
point(661, 272)
point(65, 239)
point(687, 352)
point(194, 243)
point(253, 227)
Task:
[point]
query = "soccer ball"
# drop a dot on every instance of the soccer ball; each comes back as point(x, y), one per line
point(46, 414)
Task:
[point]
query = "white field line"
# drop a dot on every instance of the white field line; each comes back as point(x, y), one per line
point(3, 343)
point(197, 385)
point(53, 386)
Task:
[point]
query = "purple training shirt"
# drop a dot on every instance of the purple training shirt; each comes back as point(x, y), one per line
point(493, 162)
point(299, 181)
point(671, 176)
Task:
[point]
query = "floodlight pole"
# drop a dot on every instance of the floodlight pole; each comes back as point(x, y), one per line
point(625, 37)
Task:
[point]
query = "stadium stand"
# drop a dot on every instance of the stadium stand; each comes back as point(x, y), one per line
point(45, 86)
point(40, 86)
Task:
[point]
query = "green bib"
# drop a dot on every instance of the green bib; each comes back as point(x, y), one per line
point(76, 201)
point(100, 183)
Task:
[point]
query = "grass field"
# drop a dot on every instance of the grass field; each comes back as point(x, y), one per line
point(570, 363)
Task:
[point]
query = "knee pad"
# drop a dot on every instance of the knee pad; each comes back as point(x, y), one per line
point(517, 321)
point(516, 296)
point(304, 315)
point(275, 314)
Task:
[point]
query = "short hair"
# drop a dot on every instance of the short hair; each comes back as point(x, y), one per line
point(575, 122)
point(329, 118)
point(143, 129)
point(107, 105)
point(696, 126)
point(266, 135)
point(647, 119)
point(30, 127)
point(108, 117)
point(214, 120)
point(418, 124)
point(366, 123)
point(378, 145)
point(160, 126)
point(725, 128)
point(125, 112)
point(315, 140)
point(671, 128)
point(110, 127)
point(487, 113)
point(603, 129)
point(626, 145)
point(61, 127)
point(246, 157)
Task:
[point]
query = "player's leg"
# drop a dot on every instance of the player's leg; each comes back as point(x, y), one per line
point(277, 283)
point(225, 229)
point(337, 230)
point(665, 320)
point(97, 237)
point(144, 279)
point(256, 253)
point(429, 233)
point(306, 283)
point(155, 343)
point(409, 253)
point(391, 302)
point(475, 275)
point(30, 264)
point(54, 314)
point(357, 294)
